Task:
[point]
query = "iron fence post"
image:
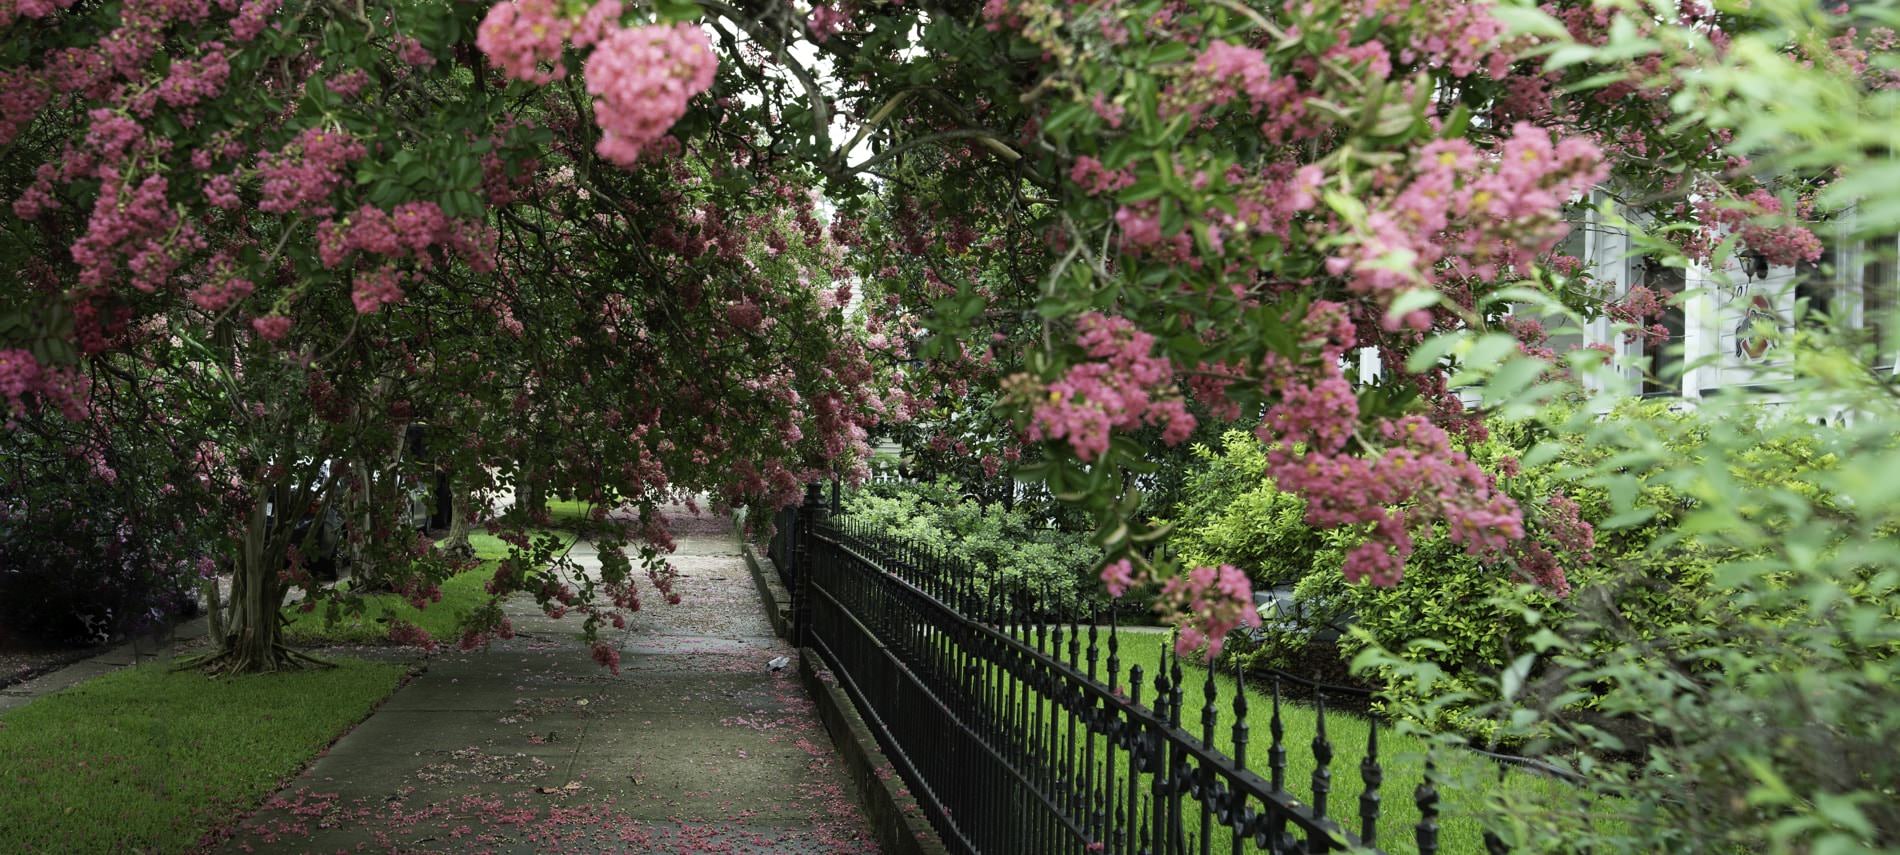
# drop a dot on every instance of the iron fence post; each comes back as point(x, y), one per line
point(812, 511)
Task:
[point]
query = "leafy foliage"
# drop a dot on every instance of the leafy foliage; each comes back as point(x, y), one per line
point(1013, 553)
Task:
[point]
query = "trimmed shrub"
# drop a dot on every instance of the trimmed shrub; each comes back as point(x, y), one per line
point(1006, 546)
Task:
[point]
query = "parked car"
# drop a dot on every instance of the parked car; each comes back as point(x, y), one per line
point(1281, 609)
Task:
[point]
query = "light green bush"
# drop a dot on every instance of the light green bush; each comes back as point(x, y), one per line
point(1006, 548)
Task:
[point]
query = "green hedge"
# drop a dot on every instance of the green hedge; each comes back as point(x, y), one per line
point(1006, 546)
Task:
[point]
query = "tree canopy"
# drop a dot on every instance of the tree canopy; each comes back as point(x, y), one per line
point(638, 251)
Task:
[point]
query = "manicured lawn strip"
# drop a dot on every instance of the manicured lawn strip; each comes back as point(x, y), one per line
point(1401, 757)
point(461, 594)
point(147, 759)
point(570, 513)
point(576, 516)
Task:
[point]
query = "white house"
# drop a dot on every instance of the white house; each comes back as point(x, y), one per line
point(1715, 344)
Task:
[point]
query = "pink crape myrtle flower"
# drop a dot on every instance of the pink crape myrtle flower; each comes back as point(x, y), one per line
point(607, 656)
point(1122, 386)
point(824, 22)
point(1119, 576)
point(1209, 602)
point(642, 79)
point(271, 327)
point(520, 35)
point(376, 289)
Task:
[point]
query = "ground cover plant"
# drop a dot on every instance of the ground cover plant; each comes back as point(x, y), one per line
point(154, 759)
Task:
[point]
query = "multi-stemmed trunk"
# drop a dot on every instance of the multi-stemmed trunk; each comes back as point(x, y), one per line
point(251, 631)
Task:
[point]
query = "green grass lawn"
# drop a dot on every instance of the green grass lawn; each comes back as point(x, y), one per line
point(461, 594)
point(1401, 757)
point(149, 760)
point(576, 516)
point(571, 513)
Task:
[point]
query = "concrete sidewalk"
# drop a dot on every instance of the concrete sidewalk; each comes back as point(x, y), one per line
point(531, 747)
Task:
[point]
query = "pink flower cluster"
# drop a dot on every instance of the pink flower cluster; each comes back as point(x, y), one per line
point(1461, 39)
point(1636, 308)
point(22, 95)
point(349, 84)
point(1783, 243)
point(300, 178)
point(1119, 576)
point(215, 297)
point(519, 35)
point(191, 81)
point(745, 315)
point(376, 289)
point(1210, 602)
point(1096, 179)
point(413, 53)
point(1267, 203)
point(408, 231)
point(1418, 479)
point(1563, 521)
point(135, 232)
point(600, 21)
point(1466, 214)
point(1121, 385)
point(607, 656)
point(252, 18)
point(642, 78)
point(1233, 70)
point(825, 22)
point(408, 634)
point(271, 327)
point(221, 192)
point(20, 376)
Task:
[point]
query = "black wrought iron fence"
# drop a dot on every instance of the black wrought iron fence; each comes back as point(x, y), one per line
point(1022, 733)
point(780, 547)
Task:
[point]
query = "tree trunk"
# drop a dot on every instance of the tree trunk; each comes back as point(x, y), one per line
point(252, 640)
point(383, 498)
point(214, 606)
point(461, 505)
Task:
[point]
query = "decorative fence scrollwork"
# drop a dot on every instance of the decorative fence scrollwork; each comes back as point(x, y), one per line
point(1021, 732)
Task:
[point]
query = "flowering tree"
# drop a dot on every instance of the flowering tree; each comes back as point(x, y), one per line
point(1208, 207)
point(379, 227)
point(581, 235)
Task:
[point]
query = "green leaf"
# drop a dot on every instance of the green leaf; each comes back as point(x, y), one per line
point(1486, 351)
point(1412, 301)
point(1348, 208)
point(1568, 55)
point(1529, 20)
point(1432, 351)
point(1628, 519)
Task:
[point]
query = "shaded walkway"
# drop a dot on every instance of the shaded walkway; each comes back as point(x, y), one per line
point(531, 747)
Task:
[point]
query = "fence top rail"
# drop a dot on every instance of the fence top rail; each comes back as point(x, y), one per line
point(1145, 716)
